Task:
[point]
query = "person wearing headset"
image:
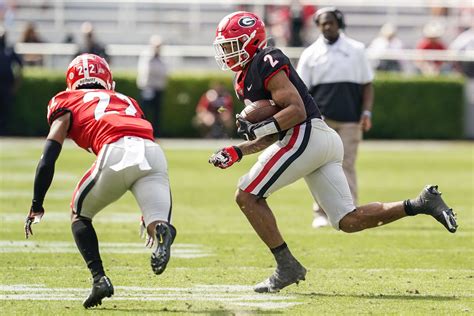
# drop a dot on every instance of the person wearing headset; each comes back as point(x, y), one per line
point(338, 75)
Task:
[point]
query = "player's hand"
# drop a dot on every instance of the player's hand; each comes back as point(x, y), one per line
point(226, 157)
point(149, 241)
point(34, 217)
point(245, 128)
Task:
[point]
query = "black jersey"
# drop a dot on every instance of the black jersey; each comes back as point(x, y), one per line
point(251, 83)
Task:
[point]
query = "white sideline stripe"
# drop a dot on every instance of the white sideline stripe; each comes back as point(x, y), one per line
point(239, 295)
point(54, 194)
point(313, 270)
point(183, 251)
point(65, 216)
point(29, 177)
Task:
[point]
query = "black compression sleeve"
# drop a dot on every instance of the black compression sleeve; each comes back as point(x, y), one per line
point(45, 171)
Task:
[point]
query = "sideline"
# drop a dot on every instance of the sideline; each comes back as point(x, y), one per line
point(239, 295)
point(213, 144)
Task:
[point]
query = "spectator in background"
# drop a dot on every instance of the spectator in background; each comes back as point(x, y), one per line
point(10, 77)
point(387, 40)
point(462, 43)
point(432, 33)
point(31, 36)
point(301, 18)
point(214, 112)
point(279, 24)
point(339, 77)
point(152, 79)
point(90, 45)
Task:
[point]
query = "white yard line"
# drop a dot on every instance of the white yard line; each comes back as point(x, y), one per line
point(237, 295)
point(184, 143)
point(65, 216)
point(182, 251)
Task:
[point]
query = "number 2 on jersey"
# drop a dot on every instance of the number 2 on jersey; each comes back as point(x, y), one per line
point(269, 58)
point(104, 101)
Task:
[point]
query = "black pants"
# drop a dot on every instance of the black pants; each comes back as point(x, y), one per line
point(6, 104)
point(153, 109)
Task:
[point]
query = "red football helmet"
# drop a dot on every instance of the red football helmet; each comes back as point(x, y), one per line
point(89, 69)
point(238, 37)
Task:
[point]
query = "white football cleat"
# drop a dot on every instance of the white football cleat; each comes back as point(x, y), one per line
point(320, 220)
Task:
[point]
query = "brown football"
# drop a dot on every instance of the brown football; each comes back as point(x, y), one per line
point(259, 110)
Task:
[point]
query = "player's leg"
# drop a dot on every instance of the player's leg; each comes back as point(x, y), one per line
point(99, 187)
point(279, 165)
point(329, 187)
point(260, 216)
point(88, 245)
point(152, 192)
point(375, 214)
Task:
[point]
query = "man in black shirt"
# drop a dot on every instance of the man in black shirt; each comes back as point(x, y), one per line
point(10, 76)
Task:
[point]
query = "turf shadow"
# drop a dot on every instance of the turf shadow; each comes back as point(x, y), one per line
point(383, 296)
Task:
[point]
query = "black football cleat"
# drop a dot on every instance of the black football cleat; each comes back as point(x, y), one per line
point(430, 202)
point(164, 234)
point(282, 277)
point(102, 288)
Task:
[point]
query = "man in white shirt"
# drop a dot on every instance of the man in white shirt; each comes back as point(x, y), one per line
point(152, 78)
point(339, 77)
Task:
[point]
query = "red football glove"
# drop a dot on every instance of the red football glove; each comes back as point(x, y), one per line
point(226, 157)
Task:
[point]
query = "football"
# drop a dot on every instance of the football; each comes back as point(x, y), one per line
point(260, 110)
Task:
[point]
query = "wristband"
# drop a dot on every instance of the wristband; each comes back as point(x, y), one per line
point(267, 127)
point(367, 113)
point(238, 152)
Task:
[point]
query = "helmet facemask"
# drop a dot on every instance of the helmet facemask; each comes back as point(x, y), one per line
point(231, 53)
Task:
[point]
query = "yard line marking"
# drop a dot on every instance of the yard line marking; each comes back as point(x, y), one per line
point(65, 216)
point(54, 194)
point(182, 251)
point(236, 295)
point(29, 177)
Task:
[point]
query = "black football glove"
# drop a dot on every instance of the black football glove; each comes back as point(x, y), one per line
point(226, 157)
point(251, 131)
point(34, 217)
point(244, 129)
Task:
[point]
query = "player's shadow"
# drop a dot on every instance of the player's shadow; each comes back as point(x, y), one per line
point(215, 312)
point(381, 296)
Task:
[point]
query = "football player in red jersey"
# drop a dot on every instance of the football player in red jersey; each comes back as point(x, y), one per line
point(112, 126)
point(298, 144)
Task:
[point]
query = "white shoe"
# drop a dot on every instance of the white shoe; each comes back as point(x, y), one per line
point(320, 221)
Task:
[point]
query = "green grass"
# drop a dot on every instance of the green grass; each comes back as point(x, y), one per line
point(413, 266)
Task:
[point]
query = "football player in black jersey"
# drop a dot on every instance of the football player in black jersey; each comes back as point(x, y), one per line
point(297, 144)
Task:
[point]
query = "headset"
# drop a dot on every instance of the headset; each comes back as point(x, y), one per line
point(337, 13)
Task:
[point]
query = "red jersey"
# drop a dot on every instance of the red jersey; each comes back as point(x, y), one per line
point(99, 117)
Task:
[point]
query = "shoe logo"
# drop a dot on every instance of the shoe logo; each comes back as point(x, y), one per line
point(161, 239)
point(249, 87)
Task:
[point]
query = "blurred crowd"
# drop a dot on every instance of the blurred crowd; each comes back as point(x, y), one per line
point(288, 26)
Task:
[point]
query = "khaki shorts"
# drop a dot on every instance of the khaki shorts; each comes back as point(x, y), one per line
point(131, 163)
point(312, 151)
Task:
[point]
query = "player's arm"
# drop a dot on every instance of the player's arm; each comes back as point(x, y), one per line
point(285, 95)
point(45, 169)
point(257, 145)
point(226, 157)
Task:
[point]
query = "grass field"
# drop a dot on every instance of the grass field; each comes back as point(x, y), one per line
point(413, 266)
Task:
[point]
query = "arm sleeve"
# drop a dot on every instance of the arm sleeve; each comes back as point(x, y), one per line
point(45, 170)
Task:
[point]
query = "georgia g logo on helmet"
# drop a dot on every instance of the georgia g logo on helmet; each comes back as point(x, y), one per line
point(247, 21)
